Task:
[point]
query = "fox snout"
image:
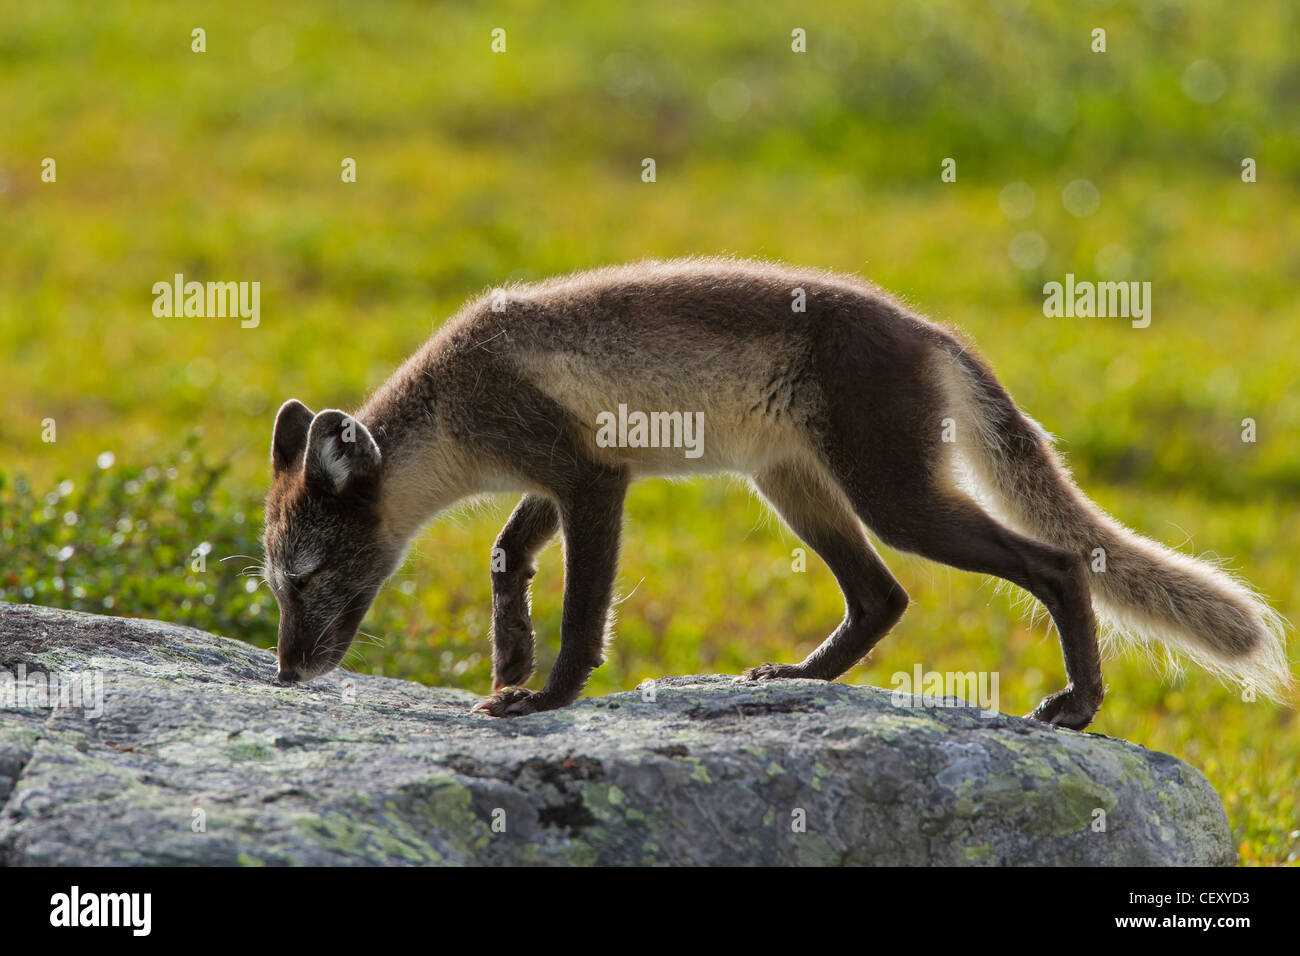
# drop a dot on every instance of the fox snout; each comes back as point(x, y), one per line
point(312, 644)
point(298, 668)
point(289, 673)
point(303, 660)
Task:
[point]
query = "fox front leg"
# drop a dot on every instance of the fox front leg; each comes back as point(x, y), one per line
point(592, 520)
point(531, 525)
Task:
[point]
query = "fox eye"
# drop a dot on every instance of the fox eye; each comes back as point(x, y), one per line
point(299, 581)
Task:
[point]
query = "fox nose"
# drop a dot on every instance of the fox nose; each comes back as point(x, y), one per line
point(288, 675)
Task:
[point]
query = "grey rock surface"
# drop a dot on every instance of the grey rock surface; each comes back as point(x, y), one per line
point(199, 757)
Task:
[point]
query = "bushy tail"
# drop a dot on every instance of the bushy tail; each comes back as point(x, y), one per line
point(1148, 594)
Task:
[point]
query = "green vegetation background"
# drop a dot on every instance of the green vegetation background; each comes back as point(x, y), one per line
point(475, 168)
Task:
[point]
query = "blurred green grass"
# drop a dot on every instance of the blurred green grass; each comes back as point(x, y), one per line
point(474, 168)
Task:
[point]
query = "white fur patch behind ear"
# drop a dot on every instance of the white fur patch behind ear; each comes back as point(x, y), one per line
point(334, 463)
point(340, 449)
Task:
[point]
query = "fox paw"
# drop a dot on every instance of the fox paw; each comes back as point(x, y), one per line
point(771, 672)
point(1070, 708)
point(510, 702)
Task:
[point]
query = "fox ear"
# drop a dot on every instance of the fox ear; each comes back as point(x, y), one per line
point(290, 435)
point(341, 452)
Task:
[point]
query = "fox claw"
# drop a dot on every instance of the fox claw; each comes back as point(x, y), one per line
point(509, 702)
point(769, 672)
point(1066, 708)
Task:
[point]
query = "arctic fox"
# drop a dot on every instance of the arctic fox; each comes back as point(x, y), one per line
point(847, 411)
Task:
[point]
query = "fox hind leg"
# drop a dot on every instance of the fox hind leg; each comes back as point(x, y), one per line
point(948, 527)
point(904, 491)
point(874, 601)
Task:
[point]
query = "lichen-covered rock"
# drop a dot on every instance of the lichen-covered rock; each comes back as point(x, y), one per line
point(199, 757)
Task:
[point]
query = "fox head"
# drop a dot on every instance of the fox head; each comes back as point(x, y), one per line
point(325, 555)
